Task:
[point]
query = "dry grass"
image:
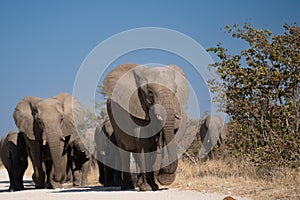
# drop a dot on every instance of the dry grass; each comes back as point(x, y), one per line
point(237, 179)
point(93, 176)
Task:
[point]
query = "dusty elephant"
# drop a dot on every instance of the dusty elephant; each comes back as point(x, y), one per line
point(212, 132)
point(50, 123)
point(144, 105)
point(14, 156)
point(107, 157)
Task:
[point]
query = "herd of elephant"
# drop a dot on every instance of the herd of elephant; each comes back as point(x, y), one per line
point(145, 109)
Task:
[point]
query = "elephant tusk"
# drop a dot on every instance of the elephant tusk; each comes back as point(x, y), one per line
point(177, 116)
point(44, 142)
point(102, 153)
point(159, 118)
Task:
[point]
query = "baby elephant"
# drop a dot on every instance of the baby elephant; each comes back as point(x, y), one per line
point(79, 160)
point(14, 155)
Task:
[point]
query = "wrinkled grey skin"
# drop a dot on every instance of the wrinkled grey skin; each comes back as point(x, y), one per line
point(108, 175)
point(48, 123)
point(152, 109)
point(14, 156)
point(212, 132)
point(78, 162)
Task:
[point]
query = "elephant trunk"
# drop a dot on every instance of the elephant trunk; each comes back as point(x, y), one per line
point(168, 137)
point(171, 150)
point(56, 146)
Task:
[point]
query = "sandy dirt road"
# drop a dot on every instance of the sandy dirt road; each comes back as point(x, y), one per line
point(97, 192)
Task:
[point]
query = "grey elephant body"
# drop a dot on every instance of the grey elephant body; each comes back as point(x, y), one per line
point(107, 158)
point(48, 122)
point(212, 133)
point(155, 96)
point(14, 156)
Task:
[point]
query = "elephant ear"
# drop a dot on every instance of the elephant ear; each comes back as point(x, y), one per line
point(13, 137)
point(182, 91)
point(121, 87)
point(73, 113)
point(24, 117)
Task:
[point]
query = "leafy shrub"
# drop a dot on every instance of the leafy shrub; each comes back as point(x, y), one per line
point(261, 86)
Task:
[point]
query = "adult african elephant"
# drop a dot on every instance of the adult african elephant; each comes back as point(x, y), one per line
point(50, 122)
point(144, 106)
point(212, 132)
point(14, 156)
point(107, 157)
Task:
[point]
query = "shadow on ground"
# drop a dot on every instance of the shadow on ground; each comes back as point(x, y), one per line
point(97, 189)
point(28, 184)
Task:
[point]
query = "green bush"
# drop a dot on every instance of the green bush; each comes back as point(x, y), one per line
point(261, 85)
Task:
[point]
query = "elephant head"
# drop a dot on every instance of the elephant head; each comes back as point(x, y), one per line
point(155, 95)
point(52, 121)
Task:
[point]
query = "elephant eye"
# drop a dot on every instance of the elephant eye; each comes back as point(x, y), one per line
point(150, 92)
point(39, 122)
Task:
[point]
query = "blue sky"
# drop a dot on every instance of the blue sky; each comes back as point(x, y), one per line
point(43, 43)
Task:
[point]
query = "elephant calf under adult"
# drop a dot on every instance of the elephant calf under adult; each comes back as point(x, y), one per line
point(212, 132)
point(50, 122)
point(14, 156)
point(78, 162)
point(106, 154)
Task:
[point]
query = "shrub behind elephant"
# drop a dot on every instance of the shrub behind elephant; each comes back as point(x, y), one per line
point(14, 156)
point(142, 103)
point(50, 121)
point(212, 133)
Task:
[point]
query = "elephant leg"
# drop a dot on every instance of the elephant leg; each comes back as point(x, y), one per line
point(126, 183)
point(48, 168)
point(117, 178)
point(14, 172)
point(10, 170)
point(12, 185)
point(20, 173)
point(84, 172)
point(117, 166)
point(76, 177)
point(101, 172)
point(109, 176)
point(142, 182)
point(38, 176)
point(149, 166)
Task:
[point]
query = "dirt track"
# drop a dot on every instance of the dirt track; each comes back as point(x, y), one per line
point(96, 192)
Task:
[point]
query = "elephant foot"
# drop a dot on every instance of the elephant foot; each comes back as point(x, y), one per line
point(55, 185)
point(39, 186)
point(76, 183)
point(166, 179)
point(13, 189)
point(101, 180)
point(154, 187)
point(49, 186)
point(39, 181)
point(127, 186)
point(145, 187)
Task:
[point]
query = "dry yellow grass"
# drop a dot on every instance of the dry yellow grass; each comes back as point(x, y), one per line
point(93, 176)
point(237, 179)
